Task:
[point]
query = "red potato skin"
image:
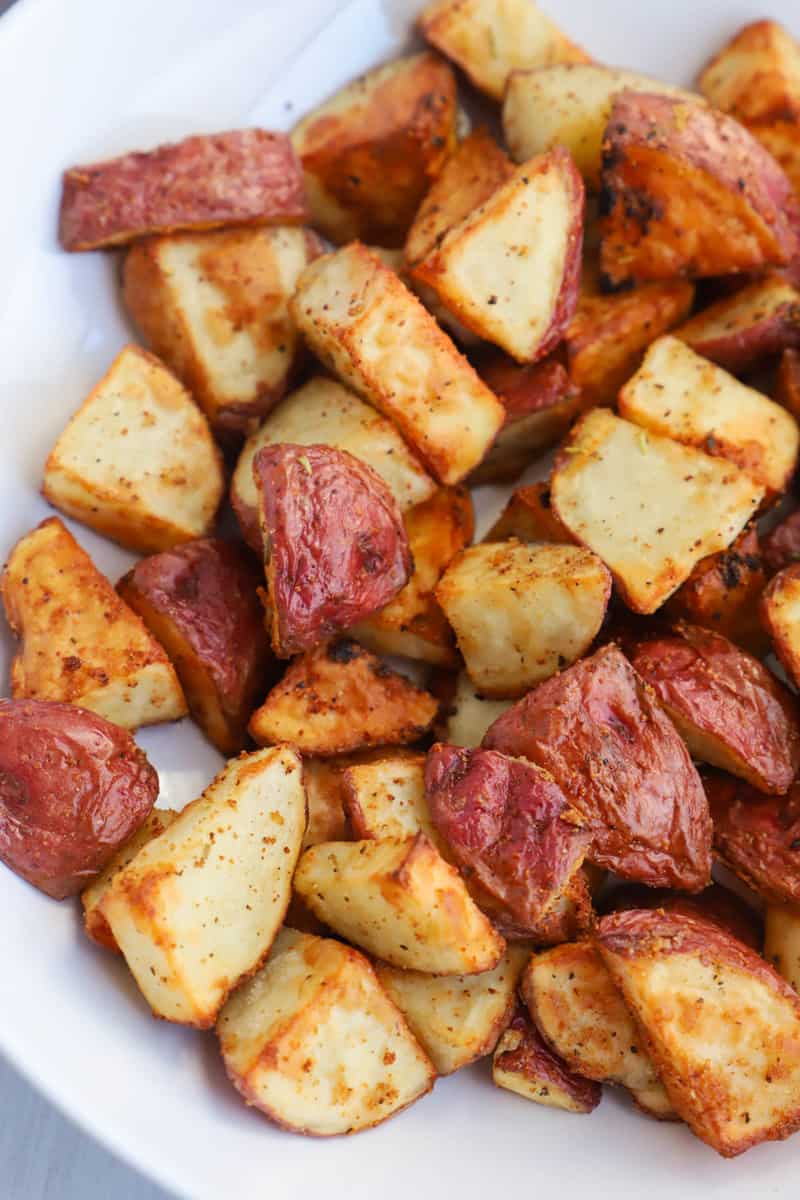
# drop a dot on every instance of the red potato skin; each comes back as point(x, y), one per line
point(787, 381)
point(718, 904)
point(781, 546)
point(243, 177)
point(600, 733)
point(757, 836)
point(534, 1060)
point(525, 388)
point(566, 305)
point(73, 789)
point(509, 828)
point(771, 330)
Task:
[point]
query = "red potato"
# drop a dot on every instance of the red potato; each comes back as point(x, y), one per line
point(730, 710)
point(243, 177)
point(782, 543)
point(73, 789)
point(199, 600)
point(787, 382)
point(716, 903)
point(757, 836)
point(523, 1063)
point(780, 616)
point(336, 549)
point(601, 735)
point(761, 319)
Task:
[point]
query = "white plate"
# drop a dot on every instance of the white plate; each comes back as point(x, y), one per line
point(96, 77)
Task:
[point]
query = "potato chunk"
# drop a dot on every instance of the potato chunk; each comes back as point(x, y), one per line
point(780, 614)
point(199, 907)
point(370, 152)
point(361, 320)
point(786, 389)
point(79, 642)
point(385, 798)
point(715, 903)
point(649, 507)
point(782, 544)
point(761, 319)
point(677, 393)
point(757, 836)
point(529, 516)
point(756, 75)
point(315, 1044)
point(782, 941)
point(137, 461)
point(324, 784)
point(524, 1064)
point(465, 715)
point(721, 1025)
point(521, 612)
point(341, 698)
point(214, 307)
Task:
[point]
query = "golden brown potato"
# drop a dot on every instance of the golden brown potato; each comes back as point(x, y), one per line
point(649, 507)
point(787, 382)
point(738, 331)
point(341, 698)
point(756, 75)
point(137, 461)
point(524, 1064)
point(199, 906)
point(399, 900)
point(782, 941)
point(314, 1042)
point(529, 516)
point(361, 320)
point(370, 152)
point(385, 798)
point(327, 820)
point(79, 642)
point(782, 140)
point(780, 614)
point(465, 715)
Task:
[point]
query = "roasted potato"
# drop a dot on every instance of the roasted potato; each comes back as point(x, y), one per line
point(780, 615)
point(314, 1042)
point(599, 732)
point(782, 140)
point(649, 507)
point(137, 461)
point(385, 798)
point(199, 906)
point(522, 612)
point(361, 320)
point(399, 900)
point(79, 642)
point(781, 546)
point(721, 1026)
point(738, 331)
point(787, 382)
point(524, 1064)
point(341, 698)
point(214, 307)
point(757, 836)
point(782, 941)
point(370, 152)
point(73, 789)
point(465, 715)
point(244, 177)
point(327, 820)
point(529, 516)
point(756, 75)
point(716, 903)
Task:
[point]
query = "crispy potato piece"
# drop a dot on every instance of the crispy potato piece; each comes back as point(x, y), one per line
point(716, 903)
point(79, 642)
point(782, 140)
point(361, 320)
point(370, 152)
point(688, 191)
point(780, 614)
point(529, 516)
point(243, 177)
point(490, 39)
point(341, 698)
point(456, 1018)
point(315, 1044)
point(761, 319)
point(524, 1064)
point(782, 544)
point(757, 836)
point(385, 798)
point(677, 393)
point(510, 271)
point(599, 732)
point(214, 307)
point(399, 900)
point(649, 507)
point(465, 715)
point(522, 612)
point(322, 411)
point(787, 382)
point(721, 1025)
point(729, 709)
point(327, 820)
point(199, 907)
point(200, 601)
point(756, 75)
point(782, 941)
point(137, 461)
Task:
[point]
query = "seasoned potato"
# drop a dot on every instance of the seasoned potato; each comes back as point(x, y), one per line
point(510, 271)
point(361, 320)
point(522, 612)
point(399, 900)
point(761, 319)
point(782, 140)
point(413, 624)
point(649, 507)
point(716, 903)
point(214, 307)
point(456, 1018)
point(524, 1064)
point(677, 393)
point(465, 715)
point(721, 1026)
point(757, 836)
point(782, 941)
point(327, 820)
point(79, 642)
point(529, 516)
point(599, 732)
point(243, 177)
point(781, 545)
point(315, 1044)
point(341, 698)
point(199, 907)
point(137, 461)
point(385, 798)
point(756, 75)
point(490, 39)
point(370, 152)
point(787, 382)
point(780, 614)
point(322, 411)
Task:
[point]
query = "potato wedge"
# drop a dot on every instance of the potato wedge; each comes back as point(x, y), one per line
point(199, 907)
point(649, 507)
point(737, 331)
point(524, 1064)
point(370, 152)
point(782, 941)
point(465, 715)
point(757, 836)
point(715, 903)
point(756, 75)
point(385, 798)
point(361, 320)
point(341, 698)
point(782, 140)
point(315, 1044)
point(327, 820)
point(79, 642)
point(780, 615)
point(720, 1024)
point(529, 516)
point(398, 899)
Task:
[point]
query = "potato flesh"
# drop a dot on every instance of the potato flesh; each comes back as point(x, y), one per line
point(780, 614)
point(756, 76)
point(386, 798)
point(524, 1064)
point(782, 941)
point(469, 715)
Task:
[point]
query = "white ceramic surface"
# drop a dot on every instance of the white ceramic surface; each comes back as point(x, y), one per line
point(95, 77)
